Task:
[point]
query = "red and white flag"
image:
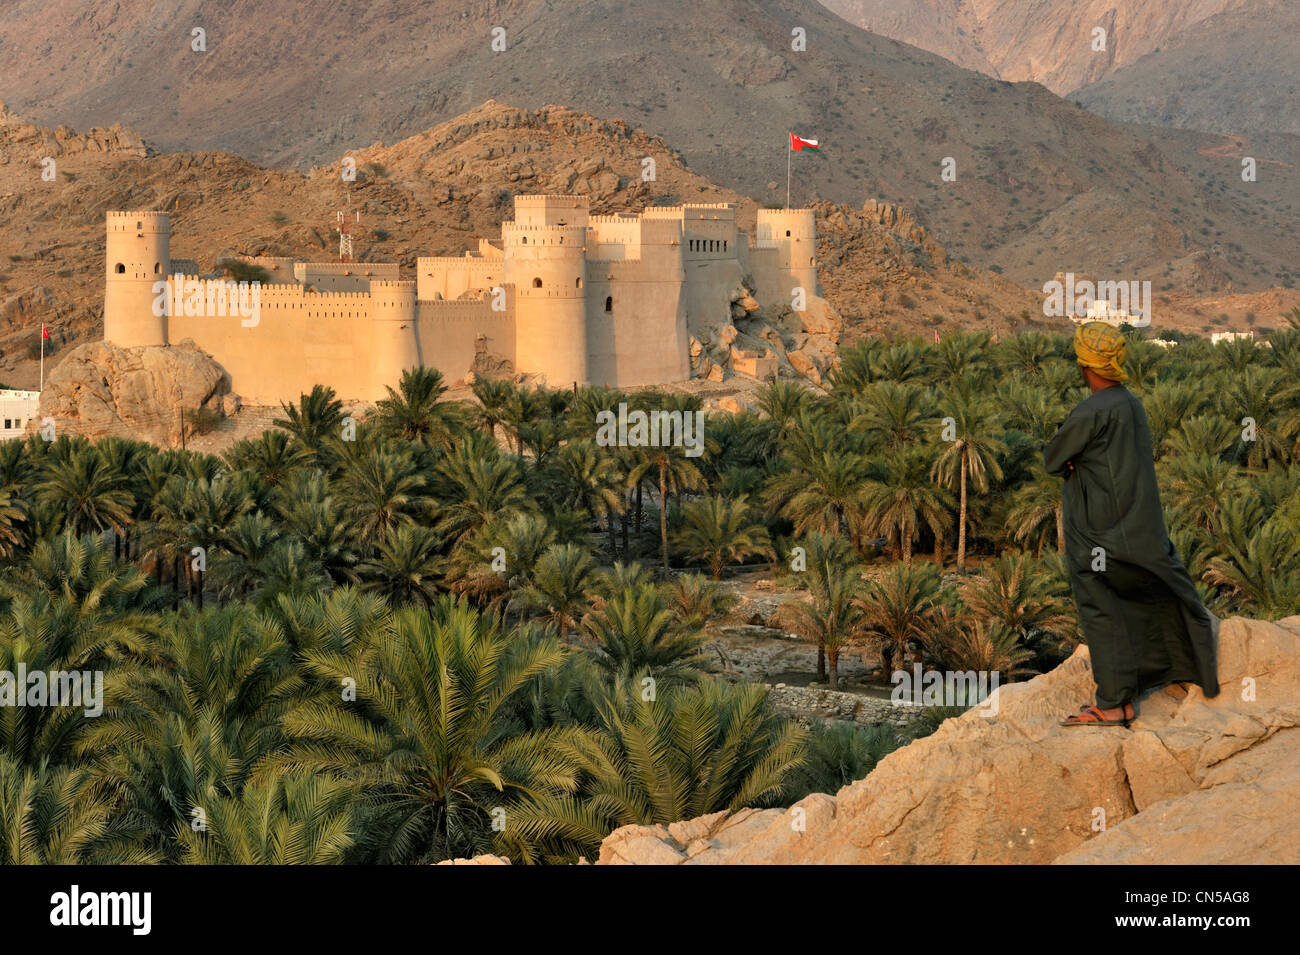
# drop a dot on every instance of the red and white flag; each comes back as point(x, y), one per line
point(799, 144)
point(45, 332)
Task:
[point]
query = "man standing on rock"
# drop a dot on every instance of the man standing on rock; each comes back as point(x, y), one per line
point(1144, 623)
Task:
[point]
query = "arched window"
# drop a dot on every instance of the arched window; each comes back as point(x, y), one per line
point(724, 245)
point(120, 269)
point(812, 260)
point(577, 283)
point(157, 267)
point(537, 283)
point(139, 227)
point(523, 240)
point(609, 303)
point(787, 233)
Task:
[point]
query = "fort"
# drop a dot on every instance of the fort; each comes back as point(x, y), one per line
point(566, 296)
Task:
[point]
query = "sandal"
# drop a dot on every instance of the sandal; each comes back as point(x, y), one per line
point(1092, 716)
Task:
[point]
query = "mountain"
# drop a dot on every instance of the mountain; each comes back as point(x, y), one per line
point(1231, 73)
point(434, 193)
point(1042, 186)
point(1226, 66)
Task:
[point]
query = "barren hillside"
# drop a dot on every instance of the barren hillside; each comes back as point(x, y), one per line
point(1219, 65)
point(720, 80)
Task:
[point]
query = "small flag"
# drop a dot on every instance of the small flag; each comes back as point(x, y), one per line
point(45, 332)
point(798, 144)
point(936, 336)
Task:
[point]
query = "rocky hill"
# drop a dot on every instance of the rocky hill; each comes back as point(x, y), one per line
point(1193, 781)
point(1220, 65)
point(719, 80)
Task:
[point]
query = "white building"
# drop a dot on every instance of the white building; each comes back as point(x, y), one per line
point(16, 409)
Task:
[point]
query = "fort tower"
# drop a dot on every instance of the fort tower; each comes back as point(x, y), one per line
point(546, 261)
point(137, 253)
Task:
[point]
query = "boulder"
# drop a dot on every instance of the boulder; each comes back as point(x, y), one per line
point(805, 366)
point(1193, 781)
point(101, 390)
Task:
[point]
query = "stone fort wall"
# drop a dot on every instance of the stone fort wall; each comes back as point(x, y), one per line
point(607, 300)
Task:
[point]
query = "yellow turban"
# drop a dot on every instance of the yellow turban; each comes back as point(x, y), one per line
point(1101, 347)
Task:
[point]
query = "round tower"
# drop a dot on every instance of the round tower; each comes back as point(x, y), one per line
point(392, 340)
point(794, 234)
point(137, 254)
point(547, 264)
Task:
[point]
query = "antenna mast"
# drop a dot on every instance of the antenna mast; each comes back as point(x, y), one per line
point(346, 221)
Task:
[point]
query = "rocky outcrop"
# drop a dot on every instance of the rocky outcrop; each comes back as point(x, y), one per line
point(100, 390)
point(27, 142)
point(1193, 781)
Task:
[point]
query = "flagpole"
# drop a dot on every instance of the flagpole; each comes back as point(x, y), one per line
point(789, 151)
point(42, 385)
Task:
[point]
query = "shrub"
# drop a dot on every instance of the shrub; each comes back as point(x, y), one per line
point(201, 420)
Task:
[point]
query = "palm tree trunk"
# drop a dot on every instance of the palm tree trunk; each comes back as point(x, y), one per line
point(623, 526)
point(907, 549)
point(663, 515)
point(834, 660)
point(961, 521)
point(821, 662)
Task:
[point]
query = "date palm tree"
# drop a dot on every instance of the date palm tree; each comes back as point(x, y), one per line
point(87, 491)
point(1035, 511)
point(974, 643)
point(382, 490)
point(834, 619)
point(635, 633)
point(60, 815)
point(673, 472)
point(424, 739)
point(475, 484)
point(315, 420)
point(415, 411)
point(782, 401)
point(1254, 575)
point(904, 500)
point(656, 757)
point(561, 588)
point(970, 458)
point(899, 609)
point(893, 415)
point(272, 456)
point(11, 516)
point(1015, 593)
point(298, 819)
point(406, 567)
point(718, 532)
point(493, 396)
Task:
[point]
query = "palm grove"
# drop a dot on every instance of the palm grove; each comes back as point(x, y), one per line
point(458, 627)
